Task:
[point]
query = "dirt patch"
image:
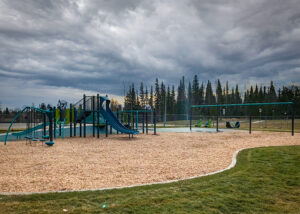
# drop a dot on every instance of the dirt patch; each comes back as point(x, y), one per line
point(78, 163)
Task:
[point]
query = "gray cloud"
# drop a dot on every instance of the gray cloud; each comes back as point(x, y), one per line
point(95, 46)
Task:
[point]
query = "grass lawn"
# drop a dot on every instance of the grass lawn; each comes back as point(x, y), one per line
point(265, 180)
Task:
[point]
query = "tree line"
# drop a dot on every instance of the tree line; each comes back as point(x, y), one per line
point(164, 98)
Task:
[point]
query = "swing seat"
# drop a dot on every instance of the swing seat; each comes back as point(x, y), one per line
point(208, 124)
point(45, 136)
point(49, 143)
point(229, 125)
point(198, 124)
point(28, 137)
point(232, 125)
point(42, 140)
point(35, 140)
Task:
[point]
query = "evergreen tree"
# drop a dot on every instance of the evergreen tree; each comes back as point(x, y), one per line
point(189, 94)
point(209, 96)
point(227, 93)
point(137, 103)
point(260, 95)
point(169, 101)
point(232, 96)
point(142, 95)
point(130, 99)
point(157, 97)
point(201, 94)
point(219, 93)
point(151, 97)
point(162, 99)
point(195, 91)
point(246, 99)
point(146, 97)
point(272, 93)
point(251, 95)
point(256, 95)
point(173, 100)
point(181, 98)
point(238, 98)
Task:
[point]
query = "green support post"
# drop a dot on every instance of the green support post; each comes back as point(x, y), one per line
point(71, 110)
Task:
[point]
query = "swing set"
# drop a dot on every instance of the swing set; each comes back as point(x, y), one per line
point(36, 120)
point(248, 105)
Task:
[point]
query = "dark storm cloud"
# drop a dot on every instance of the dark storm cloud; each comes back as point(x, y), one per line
point(100, 45)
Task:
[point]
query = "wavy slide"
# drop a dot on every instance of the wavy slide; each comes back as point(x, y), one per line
point(112, 119)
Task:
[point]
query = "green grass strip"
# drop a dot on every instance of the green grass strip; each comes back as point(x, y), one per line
point(264, 180)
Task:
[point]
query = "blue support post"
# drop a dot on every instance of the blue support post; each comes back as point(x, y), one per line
point(84, 112)
point(98, 116)
point(93, 112)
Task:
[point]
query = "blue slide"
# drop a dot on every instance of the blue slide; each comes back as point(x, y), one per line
point(112, 119)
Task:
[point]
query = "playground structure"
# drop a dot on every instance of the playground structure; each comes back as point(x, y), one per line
point(30, 134)
point(248, 105)
point(91, 113)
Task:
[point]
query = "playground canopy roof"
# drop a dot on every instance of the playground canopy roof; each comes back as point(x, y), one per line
point(245, 104)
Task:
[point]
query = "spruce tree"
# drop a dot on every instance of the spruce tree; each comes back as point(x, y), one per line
point(169, 101)
point(142, 95)
point(181, 98)
point(251, 95)
point(238, 98)
point(219, 93)
point(162, 98)
point(189, 94)
point(173, 100)
point(201, 94)
point(151, 97)
point(209, 96)
point(272, 93)
point(227, 93)
point(157, 97)
point(195, 91)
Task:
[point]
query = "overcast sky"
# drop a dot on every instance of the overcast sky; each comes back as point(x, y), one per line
point(52, 50)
